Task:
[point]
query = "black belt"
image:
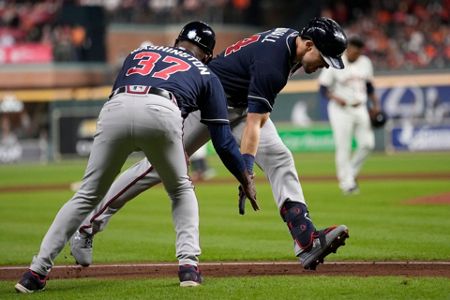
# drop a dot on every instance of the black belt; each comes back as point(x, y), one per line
point(356, 104)
point(144, 90)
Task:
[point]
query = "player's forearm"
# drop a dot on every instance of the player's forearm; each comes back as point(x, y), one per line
point(250, 140)
point(251, 133)
point(228, 150)
point(372, 96)
point(374, 101)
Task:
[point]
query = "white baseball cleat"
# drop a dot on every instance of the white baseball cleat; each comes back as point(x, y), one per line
point(81, 248)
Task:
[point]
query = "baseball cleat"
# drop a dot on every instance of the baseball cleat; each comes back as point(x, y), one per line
point(326, 241)
point(31, 282)
point(354, 190)
point(81, 248)
point(189, 276)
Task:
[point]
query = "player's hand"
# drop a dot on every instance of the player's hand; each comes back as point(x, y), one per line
point(374, 110)
point(247, 190)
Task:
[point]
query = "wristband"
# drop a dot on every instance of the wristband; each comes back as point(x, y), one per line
point(249, 161)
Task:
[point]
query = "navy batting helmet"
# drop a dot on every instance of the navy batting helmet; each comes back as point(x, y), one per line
point(329, 38)
point(200, 34)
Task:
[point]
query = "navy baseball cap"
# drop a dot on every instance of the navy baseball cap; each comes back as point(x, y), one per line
point(329, 38)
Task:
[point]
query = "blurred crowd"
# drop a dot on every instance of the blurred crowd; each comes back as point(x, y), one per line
point(180, 11)
point(26, 22)
point(23, 22)
point(404, 34)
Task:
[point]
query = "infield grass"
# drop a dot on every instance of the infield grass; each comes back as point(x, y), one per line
point(264, 287)
point(382, 227)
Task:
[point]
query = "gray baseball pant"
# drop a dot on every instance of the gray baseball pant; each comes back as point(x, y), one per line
point(272, 157)
point(126, 123)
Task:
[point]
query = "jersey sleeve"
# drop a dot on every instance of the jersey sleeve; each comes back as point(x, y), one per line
point(265, 83)
point(369, 70)
point(326, 77)
point(213, 105)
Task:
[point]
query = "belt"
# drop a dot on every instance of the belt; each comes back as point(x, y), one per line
point(144, 90)
point(355, 104)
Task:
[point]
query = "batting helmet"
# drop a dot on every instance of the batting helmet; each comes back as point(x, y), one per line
point(200, 34)
point(378, 119)
point(329, 38)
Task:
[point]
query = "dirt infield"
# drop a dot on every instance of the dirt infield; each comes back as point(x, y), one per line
point(440, 199)
point(364, 269)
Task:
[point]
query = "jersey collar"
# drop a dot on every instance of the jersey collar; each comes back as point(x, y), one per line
point(293, 51)
point(185, 50)
point(292, 47)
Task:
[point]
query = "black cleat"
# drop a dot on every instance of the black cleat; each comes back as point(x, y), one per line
point(189, 276)
point(31, 282)
point(326, 241)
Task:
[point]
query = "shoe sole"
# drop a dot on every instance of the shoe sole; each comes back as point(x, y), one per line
point(337, 242)
point(189, 283)
point(77, 263)
point(21, 289)
point(350, 192)
point(84, 266)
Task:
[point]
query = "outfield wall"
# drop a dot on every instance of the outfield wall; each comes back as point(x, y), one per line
point(418, 107)
point(120, 40)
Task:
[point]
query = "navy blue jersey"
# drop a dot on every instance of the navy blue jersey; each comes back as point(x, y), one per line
point(254, 70)
point(175, 70)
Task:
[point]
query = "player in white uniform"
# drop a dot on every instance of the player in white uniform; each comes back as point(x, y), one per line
point(348, 90)
point(200, 169)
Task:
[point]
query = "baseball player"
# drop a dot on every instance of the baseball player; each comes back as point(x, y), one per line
point(348, 91)
point(253, 71)
point(155, 90)
point(200, 169)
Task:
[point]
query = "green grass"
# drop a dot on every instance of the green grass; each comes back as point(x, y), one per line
point(381, 226)
point(307, 164)
point(38, 173)
point(407, 163)
point(274, 287)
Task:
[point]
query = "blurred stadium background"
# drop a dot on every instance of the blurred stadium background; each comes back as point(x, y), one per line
point(58, 60)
